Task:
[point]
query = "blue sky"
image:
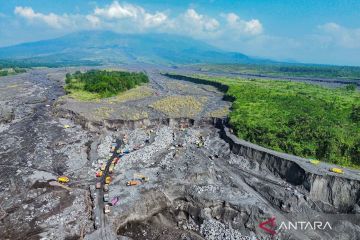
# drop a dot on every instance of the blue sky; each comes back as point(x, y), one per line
point(321, 31)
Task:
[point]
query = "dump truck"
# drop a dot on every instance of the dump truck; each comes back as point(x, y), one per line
point(106, 208)
point(114, 201)
point(63, 179)
point(98, 185)
point(106, 197)
point(107, 179)
point(103, 166)
point(111, 168)
point(112, 149)
point(106, 187)
point(99, 173)
point(132, 183)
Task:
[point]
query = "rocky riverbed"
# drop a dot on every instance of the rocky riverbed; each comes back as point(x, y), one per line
point(199, 187)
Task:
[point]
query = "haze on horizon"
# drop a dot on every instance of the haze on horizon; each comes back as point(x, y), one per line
point(324, 32)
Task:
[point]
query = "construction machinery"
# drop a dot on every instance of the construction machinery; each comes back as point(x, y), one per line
point(63, 179)
point(141, 177)
point(132, 183)
point(336, 170)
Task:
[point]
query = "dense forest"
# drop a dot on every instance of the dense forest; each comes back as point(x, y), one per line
point(104, 83)
point(287, 70)
point(297, 118)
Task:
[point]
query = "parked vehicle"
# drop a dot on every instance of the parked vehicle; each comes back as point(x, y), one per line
point(107, 179)
point(114, 201)
point(103, 166)
point(106, 208)
point(99, 173)
point(111, 168)
point(106, 197)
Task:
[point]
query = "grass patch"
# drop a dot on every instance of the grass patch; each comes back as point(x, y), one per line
point(218, 113)
point(297, 118)
point(96, 84)
point(179, 106)
point(137, 93)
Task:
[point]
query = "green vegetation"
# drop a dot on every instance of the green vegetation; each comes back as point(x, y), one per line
point(297, 118)
point(97, 84)
point(10, 71)
point(287, 70)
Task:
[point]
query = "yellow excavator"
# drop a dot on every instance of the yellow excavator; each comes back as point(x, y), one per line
point(63, 179)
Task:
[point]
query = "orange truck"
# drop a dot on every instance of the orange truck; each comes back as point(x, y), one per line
point(132, 183)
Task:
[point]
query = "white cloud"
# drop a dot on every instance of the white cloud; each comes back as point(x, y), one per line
point(50, 19)
point(115, 10)
point(135, 17)
point(335, 34)
point(242, 27)
point(130, 18)
point(200, 22)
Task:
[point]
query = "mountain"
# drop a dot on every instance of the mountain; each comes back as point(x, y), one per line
point(110, 47)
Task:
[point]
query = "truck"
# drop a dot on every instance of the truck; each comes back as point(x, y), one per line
point(106, 197)
point(107, 179)
point(106, 208)
point(99, 173)
point(132, 183)
point(112, 149)
point(111, 168)
point(114, 201)
point(115, 160)
point(103, 166)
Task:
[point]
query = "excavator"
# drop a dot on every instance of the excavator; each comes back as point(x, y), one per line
point(137, 180)
point(63, 179)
